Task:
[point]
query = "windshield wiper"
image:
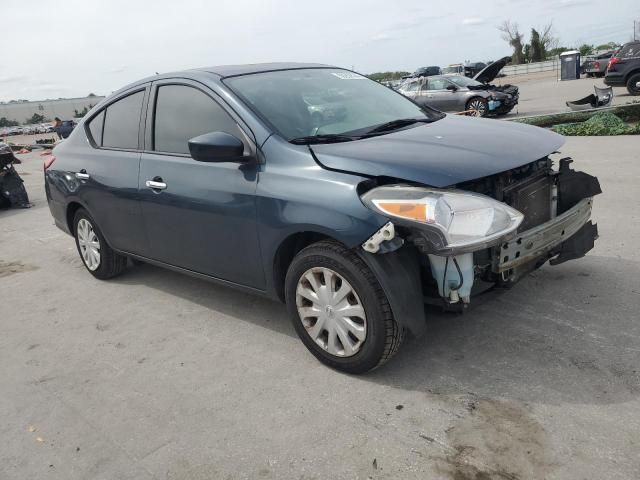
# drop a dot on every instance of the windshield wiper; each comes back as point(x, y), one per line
point(395, 124)
point(322, 138)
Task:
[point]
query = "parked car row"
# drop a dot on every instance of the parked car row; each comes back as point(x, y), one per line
point(457, 93)
point(26, 130)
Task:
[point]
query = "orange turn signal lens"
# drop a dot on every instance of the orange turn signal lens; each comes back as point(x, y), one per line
point(412, 211)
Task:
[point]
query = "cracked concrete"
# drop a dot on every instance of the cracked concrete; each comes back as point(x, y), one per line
point(155, 375)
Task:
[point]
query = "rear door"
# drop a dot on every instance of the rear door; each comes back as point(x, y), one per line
point(204, 217)
point(107, 173)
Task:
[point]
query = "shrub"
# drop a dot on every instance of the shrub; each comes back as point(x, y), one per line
point(602, 123)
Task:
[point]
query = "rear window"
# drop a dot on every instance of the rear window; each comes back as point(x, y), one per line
point(122, 121)
point(629, 51)
point(95, 128)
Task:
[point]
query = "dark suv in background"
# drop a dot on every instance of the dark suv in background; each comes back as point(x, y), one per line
point(624, 68)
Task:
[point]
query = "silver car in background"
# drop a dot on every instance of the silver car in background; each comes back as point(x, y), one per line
point(457, 94)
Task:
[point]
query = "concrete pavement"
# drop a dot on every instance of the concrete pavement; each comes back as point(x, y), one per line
point(155, 375)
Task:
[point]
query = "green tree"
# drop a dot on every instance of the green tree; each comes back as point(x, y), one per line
point(536, 47)
point(383, 76)
point(80, 114)
point(511, 34)
point(554, 52)
point(585, 49)
point(4, 122)
point(607, 46)
point(36, 118)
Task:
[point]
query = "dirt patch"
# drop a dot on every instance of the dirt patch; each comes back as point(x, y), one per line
point(9, 268)
point(495, 440)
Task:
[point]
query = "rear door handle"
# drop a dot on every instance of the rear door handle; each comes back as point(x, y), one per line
point(155, 185)
point(83, 175)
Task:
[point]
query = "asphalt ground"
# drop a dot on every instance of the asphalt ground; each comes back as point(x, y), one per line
point(156, 375)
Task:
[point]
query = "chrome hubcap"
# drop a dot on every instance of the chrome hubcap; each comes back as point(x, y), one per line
point(89, 244)
point(477, 108)
point(331, 312)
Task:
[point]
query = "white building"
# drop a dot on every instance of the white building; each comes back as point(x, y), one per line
point(64, 108)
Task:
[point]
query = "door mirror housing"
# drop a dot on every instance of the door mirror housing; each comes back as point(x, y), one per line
point(217, 147)
point(453, 88)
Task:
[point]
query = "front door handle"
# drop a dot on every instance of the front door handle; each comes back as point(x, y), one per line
point(155, 185)
point(82, 175)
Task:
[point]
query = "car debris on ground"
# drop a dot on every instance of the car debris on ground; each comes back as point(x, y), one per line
point(602, 97)
point(12, 191)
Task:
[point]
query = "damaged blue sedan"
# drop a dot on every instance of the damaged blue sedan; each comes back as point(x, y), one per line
point(316, 186)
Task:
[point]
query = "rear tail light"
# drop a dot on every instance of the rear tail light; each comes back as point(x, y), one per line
point(612, 62)
point(48, 161)
point(596, 65)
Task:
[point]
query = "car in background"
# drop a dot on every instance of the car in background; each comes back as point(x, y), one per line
point(453, 69)
point(456, 94)
point(596, 65)
point(424, 72)
point(624, 68)
point(65, 129)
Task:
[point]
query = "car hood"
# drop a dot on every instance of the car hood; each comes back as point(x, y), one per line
point(443, 153)
point(490, 72)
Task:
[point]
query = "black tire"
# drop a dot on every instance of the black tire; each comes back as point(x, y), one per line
point(110, 263)
point(384, 335)
point(633, 84)
point(479, 105)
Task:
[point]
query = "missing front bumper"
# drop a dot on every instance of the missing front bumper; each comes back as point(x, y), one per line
point(550, 239)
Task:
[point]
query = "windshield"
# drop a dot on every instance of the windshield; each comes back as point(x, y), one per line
point(322, 101)
point(465, 81)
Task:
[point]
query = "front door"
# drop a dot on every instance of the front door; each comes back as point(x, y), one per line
point(439, 97)
point(199, 216)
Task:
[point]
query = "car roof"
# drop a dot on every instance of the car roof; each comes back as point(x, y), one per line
point(221, 71)
point(247, 69)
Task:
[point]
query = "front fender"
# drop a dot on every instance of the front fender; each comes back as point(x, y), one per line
point(398, 273)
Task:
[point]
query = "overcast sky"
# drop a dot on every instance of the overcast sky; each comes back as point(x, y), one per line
point(63, 48)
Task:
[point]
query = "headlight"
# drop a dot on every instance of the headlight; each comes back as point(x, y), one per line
point(462, 219)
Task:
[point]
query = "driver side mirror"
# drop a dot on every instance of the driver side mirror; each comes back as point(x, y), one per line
point(453, 88)
point(217, 147)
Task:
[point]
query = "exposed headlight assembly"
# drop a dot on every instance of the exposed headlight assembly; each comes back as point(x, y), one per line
point(451, 221)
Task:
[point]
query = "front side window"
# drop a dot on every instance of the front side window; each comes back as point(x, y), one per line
point(465, 81)
point(122, 122)
point(437, 84)
point(318, 101)
point(184, 112)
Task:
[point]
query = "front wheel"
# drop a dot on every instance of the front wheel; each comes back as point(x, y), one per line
point(339, 310)
point(633, 84)
point(477, 107)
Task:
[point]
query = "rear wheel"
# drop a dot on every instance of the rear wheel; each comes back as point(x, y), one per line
point(101, 261)
point(477, 107)
point(339, 310)
point(633, 84)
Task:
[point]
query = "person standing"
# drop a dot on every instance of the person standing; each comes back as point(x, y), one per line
point(57, 123)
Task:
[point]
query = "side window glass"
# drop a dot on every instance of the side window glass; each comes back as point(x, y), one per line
point(630, 51)
point(95, 127)
point(437, 84)
point(184, 112)
point(412, 87)
point(122, 121)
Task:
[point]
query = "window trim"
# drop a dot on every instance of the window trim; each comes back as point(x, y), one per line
point(139, 88)
point(150, 115)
